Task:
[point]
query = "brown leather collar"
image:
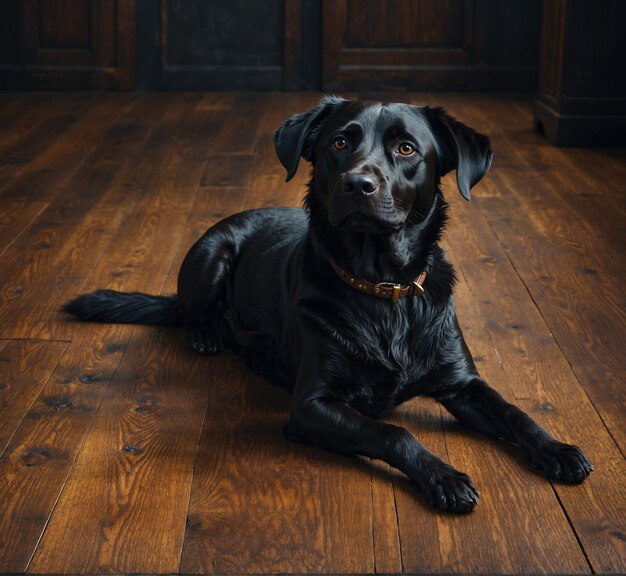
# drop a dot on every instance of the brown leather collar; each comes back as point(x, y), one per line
point(381, 289)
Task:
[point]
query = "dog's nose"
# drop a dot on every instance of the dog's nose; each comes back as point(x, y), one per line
point(363, 184)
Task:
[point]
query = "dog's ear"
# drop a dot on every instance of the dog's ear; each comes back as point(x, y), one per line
point(297, 135)
point(459, 147)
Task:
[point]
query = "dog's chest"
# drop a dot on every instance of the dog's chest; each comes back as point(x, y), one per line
point(392, 351)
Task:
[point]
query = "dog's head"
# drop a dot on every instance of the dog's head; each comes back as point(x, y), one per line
point(375, 163)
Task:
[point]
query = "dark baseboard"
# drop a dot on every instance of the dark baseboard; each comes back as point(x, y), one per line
point(579, 130)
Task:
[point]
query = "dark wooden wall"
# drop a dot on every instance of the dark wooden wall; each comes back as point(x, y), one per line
point(66, 44)
point(421, 44)
point(270, 44)
point(339, 44)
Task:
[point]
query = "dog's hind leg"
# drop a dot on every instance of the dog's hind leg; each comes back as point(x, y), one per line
point(203, 284)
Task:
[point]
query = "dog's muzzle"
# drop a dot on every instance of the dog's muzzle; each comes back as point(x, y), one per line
point(361, 203)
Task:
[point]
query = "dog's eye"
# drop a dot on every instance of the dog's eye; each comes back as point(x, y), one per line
point(406, 149)
point(340, 143)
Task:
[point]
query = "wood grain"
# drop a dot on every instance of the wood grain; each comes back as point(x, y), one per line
point(59, 117)
point(20, 118)
point(568, 304)
point(68, 237)
point(139, 257)
point(239, 133)
point(140, 254)
point(216, 101)
point(210, 206)
point(276, 506)
point(228, 170)
point(15, 218)
point(26, 367)
point(44, 176)
point(143, 439)
point(529, 351)
point(385, 529)
point(40, 455)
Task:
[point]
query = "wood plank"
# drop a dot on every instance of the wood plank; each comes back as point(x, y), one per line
point(511, 498)
point(419, 530)
point(240, 506)
point(151, 234)
point(22, 111)
point(213, 204)
point(239, 134)
point(45, 176)
point(15, 217)
point(589, 334)
point(19, 110)
point(38, 459)
point(386, 532)
point(585, 180)
point(12, 101)
point(216, 101)
point(560, 178)
point(26, 367)
point(158, 447)
point(39, 133)
point(268, 174)
point(124, 506)
point(596, 513)
point(228, 170)
point(69, 236)
point(529, 351)
point(598, 201)
point(267, 180)
point(210, 206)
point(598, 211)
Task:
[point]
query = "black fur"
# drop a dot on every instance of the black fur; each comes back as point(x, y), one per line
point(126, 308)
point(261, 282)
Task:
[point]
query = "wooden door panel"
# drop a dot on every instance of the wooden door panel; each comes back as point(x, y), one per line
point(70, 44)
point(404, 24)
point(63, 24)
point(215, 45)
point(429, 44)
point(406, 32)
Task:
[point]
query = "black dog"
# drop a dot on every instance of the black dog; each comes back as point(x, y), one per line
point(349, 302)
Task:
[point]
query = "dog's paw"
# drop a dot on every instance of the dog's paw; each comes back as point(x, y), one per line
point(446, 488)
point(562, 462)
point(205, 341)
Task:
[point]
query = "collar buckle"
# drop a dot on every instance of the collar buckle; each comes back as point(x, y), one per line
point(395, 289)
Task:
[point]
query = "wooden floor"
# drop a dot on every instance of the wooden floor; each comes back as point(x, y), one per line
point(124, 452)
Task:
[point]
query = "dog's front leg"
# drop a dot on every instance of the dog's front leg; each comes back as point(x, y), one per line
point(317, 418)
point(481, 408)
point(338, 427)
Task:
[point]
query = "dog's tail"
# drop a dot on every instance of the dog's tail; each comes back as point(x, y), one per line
point(126, 308)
